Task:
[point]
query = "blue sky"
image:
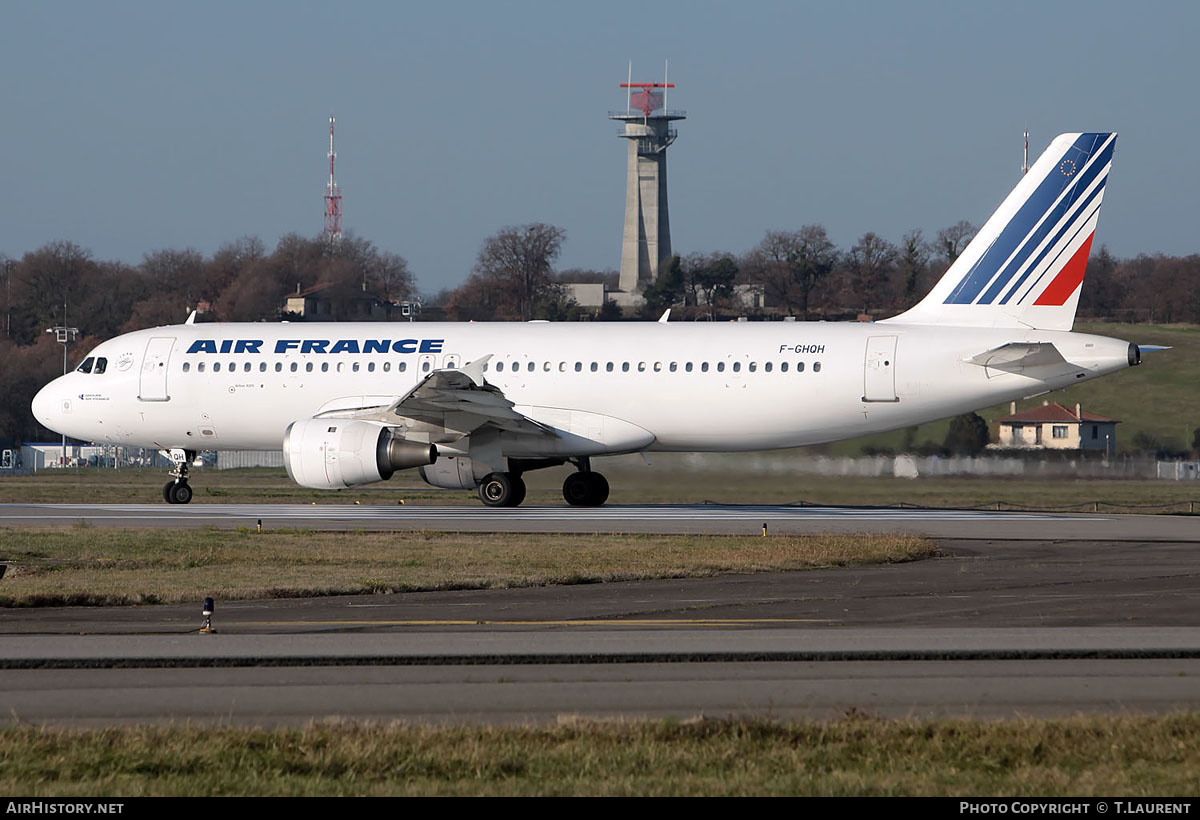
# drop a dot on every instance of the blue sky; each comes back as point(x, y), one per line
point(131, 126)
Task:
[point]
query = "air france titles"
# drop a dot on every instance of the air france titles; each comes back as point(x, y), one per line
point(319, 346)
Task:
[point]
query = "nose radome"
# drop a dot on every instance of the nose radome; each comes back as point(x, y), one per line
point(43, 405)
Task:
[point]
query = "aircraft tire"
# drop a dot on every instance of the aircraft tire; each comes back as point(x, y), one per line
point(599, 489)
point(181, 493)
point(501, 490)
point(518, 489)
point(585, 489)
point(167, 489)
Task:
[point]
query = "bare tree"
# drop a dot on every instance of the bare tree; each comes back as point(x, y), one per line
point(791, 264)
point(952, 241)
point(913, 262)
point(870, 266)
point(519, 261)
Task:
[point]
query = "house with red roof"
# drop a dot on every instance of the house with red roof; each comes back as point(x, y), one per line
point(1055, 427)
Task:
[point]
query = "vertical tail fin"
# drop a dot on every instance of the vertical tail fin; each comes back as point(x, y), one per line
point(1025, 266)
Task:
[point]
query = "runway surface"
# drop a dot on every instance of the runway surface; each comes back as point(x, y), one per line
point(995, 628)
point(703, 518)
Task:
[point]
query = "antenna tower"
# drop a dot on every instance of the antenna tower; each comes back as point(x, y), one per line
point(1025, 162)
point(333, 196)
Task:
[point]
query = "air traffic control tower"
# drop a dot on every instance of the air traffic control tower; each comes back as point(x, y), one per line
point(646, 243)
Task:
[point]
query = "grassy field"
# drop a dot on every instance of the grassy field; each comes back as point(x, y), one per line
point(101, 566)
point(1131, 756)
point(669, 479)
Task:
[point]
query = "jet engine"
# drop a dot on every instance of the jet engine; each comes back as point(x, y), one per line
point(451, 473)
point(330, 454)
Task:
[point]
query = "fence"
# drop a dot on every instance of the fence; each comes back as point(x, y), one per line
point(908, 466)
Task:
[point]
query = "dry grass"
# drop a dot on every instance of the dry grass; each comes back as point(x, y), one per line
point(1133, 756)
point(102, 566)
point(671, 479)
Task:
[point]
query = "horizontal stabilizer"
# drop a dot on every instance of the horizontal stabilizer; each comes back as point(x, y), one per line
point(1022, 357)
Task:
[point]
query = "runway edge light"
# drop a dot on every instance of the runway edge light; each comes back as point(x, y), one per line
point(207, 628)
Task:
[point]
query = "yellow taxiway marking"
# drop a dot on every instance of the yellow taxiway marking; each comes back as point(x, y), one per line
point(593, 622)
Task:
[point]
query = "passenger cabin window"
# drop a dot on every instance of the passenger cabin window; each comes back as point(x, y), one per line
point(200, 367)
point(816, 367)
point(324, 367)
point(86, 365)
point(186, 367)
point(278, 367)
point(217, 367)
point(308, 367)
point(295, 367)
point(246, 367)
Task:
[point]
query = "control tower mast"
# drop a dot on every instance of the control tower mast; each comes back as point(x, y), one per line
point(646, 243)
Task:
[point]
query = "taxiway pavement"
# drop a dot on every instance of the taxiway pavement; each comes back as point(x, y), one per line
point(993, 628)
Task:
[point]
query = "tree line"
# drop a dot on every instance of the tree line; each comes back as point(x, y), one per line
point(799, 272)
point(62, 284)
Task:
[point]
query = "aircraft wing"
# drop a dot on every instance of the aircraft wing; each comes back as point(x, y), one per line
point(1023, 357)
point(449, 401)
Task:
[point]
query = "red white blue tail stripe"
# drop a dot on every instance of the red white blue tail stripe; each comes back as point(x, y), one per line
point(1030, 256)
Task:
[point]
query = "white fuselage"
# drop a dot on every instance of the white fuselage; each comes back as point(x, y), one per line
point(615, 387)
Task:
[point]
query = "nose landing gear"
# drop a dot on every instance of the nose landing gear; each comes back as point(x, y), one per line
point(178, 491)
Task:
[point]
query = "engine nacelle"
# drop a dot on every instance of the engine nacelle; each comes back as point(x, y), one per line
point(451, 473)
point(331, 454)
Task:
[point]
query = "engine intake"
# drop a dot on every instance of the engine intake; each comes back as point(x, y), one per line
point(329, 454)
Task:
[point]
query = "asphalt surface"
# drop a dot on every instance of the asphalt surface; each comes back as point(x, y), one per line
point(995, 628)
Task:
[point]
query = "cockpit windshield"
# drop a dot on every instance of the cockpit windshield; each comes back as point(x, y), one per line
point(93, 364)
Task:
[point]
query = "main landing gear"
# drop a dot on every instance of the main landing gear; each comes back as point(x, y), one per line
point(502, 490)
point(178, 491)
point(585, 489)
point(581, 489)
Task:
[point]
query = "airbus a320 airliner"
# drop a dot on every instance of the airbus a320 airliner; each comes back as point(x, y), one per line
point(474, 406)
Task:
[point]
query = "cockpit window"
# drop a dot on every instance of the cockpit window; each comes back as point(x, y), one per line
point(101, 365)
point(86, 365)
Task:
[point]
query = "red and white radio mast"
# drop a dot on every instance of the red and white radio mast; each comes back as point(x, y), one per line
point(333, 196)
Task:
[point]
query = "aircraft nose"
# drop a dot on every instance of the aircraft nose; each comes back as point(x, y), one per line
point(45, 404)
